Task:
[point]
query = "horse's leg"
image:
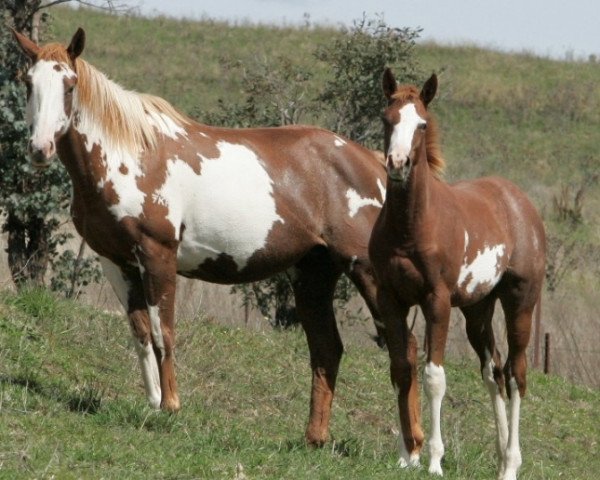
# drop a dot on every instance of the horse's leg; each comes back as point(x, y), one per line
point(436, 310)
point(518, 330)
point(402, 348)
point(314, 282)
point(127, 285)
point(362, 277)
point(158, 267)
point(481, 336)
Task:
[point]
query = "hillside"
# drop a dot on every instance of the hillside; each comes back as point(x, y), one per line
point(72, 406)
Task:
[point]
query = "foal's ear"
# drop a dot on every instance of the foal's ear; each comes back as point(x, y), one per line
point(77, 43)
point(389, 83)
point(429, 89)
point(27, 45)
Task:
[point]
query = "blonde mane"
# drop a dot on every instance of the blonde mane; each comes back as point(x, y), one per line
point(127, 119)
point(410, 93)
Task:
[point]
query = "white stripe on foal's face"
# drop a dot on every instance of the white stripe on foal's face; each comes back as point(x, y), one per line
point(46, 109)
point(402, 136)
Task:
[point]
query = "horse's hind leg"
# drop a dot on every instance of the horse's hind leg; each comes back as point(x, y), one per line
point(314, 283)
point(518, 330)
point(481, 336)
point(127, 285)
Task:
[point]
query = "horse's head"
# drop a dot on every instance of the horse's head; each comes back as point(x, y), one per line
point(50, 83)
point(405, 123)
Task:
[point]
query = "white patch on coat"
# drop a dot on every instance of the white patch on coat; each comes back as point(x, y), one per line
point(356, 202)
point(165, 125)
point(45, 111)
point(483, 270)
point(339, 142)
point(434, 383)
point(402, 134)
point(130, 197)
point(382, 190)
point(228, 209)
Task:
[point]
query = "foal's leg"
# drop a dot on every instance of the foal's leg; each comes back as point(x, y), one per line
point(518, 330)
point(402, 348)
point(158, 267)
point(314, 283)
point(481, 336)
point(436, 310)
point(127, 285)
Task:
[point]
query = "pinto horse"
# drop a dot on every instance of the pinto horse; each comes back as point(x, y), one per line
point(156, 194)
point(437, 246)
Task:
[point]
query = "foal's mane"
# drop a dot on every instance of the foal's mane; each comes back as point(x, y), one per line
point(410, 93)
point(123, 115)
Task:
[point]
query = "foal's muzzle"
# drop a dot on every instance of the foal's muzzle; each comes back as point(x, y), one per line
point(398, 170)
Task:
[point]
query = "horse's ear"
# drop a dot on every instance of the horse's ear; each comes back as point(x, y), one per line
point(27, 45)
point(429, 89)
point(77, 43)
point(389, 83)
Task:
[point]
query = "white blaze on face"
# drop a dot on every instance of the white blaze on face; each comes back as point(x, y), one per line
point(228, 209)
point(402, 135)
point(45, 109)
point(485, 269)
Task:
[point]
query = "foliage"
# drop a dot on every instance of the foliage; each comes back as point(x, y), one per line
point(33, 201)
point(356, 60)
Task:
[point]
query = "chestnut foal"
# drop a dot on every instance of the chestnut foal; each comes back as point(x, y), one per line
point(437, 246)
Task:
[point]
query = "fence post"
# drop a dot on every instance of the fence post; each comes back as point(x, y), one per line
point(547, 353)
point(536, 335)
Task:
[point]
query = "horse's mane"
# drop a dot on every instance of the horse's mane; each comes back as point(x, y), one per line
point(410, 93)
point(128, 119)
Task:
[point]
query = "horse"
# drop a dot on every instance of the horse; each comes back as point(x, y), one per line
point(440, 245)
point(156, 195)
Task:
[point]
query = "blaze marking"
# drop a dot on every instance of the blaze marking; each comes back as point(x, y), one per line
point(402, 135)
point(483, 270)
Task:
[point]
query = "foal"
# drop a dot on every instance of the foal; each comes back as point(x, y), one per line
point(438, 246)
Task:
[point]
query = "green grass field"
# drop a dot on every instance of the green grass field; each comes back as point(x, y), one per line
point(72, 406)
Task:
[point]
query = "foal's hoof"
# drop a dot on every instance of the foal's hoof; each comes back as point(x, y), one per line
point(170, 405)
point(315, 439)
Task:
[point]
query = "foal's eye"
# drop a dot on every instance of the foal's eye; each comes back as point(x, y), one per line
point(422, 126)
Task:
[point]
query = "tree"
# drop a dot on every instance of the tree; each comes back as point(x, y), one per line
point(33, 202)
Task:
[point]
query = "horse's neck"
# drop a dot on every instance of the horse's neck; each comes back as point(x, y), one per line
point(409, 205)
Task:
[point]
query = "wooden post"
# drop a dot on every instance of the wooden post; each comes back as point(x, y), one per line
point(536, 335)
point(547, 353)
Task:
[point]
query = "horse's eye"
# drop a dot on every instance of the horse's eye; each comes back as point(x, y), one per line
point(422, 126)
point(70, 90)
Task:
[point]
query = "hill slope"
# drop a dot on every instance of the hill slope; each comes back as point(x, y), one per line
point(72, 406)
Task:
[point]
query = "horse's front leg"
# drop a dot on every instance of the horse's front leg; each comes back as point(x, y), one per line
point(127, 285)
point(436, 310)
point(402, 348)
point(158, 268)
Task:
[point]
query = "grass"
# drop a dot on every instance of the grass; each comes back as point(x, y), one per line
point(72, 406)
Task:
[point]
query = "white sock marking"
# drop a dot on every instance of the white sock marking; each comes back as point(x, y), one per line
point(434, 383)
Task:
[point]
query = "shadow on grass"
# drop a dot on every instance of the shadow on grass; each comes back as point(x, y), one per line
point(86, 399)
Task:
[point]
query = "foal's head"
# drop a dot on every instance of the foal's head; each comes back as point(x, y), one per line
point(50, 82)
point(407, 126)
